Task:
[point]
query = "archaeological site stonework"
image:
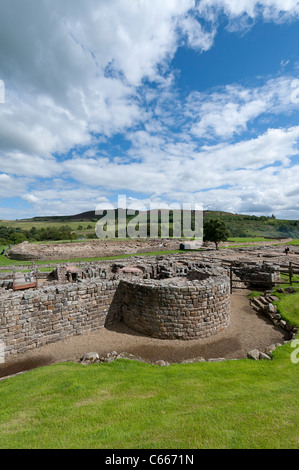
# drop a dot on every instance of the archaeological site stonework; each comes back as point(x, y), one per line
point(92, 249)
point(176, 308)
point(179, 296)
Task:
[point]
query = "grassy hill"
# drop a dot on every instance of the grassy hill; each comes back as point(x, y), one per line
point(252, 226)
point(239, 225)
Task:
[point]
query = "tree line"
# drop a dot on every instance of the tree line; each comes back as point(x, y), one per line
point(14, 236)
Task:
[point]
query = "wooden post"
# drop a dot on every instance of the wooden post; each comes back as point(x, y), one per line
point(34, 270)
point(13, 276)
point(231, 279)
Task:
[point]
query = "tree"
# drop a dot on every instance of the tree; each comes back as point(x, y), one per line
point(18, 237)
point(215, 231)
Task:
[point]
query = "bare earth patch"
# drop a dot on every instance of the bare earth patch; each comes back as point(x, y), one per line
point(247, 330)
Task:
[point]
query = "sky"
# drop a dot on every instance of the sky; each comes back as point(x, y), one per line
point(162, 101)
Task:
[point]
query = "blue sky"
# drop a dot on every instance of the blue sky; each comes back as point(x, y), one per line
point(165, 102)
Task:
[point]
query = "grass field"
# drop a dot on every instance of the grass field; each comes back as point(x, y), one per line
point(249, 239)
point(293, 242)
point(241, 404)
point(129, 405)
point(28, 224)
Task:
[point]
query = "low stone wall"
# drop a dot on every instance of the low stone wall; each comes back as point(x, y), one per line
point(257, 274)
point(176, 308)
point(168, 308)
point(33, 319)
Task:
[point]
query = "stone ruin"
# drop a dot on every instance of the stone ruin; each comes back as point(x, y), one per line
point(252, 274)
point(92, 249)
point(182, 296)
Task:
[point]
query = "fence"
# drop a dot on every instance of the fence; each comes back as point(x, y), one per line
point(291, 270)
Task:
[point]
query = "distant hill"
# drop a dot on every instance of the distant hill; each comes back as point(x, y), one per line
point(84, 217)
point(238, 224)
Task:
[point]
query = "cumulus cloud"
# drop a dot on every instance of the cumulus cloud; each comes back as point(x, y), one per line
point(77, 74)
point(61, 200)
point(271, 10)
point(11, 185)
point(71, 68)
point(208, 168)
point(228, 110)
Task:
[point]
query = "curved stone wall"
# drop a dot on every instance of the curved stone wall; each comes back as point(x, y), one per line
point(176, 308)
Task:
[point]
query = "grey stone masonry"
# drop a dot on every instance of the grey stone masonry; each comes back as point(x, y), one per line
point(36, 318)
point(174, 297)
point(176, 308)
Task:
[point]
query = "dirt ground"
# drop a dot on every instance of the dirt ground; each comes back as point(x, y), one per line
point(247, 330)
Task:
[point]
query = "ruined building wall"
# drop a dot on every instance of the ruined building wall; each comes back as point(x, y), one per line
point(175, 298)
point(176, 308)
point(33, 319)
point(171, 308)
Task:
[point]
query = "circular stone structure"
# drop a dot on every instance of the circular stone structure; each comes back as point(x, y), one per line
point(176, 308)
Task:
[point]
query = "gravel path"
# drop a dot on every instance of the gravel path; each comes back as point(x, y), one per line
point(247, 330)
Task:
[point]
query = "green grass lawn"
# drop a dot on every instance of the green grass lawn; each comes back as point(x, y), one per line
point(130, 405)
point(28, 224)
point(249, 240)
point(288, 305)
point(293, 242)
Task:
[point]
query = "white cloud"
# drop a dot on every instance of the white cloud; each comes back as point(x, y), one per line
point(12, 186)
point(160, 171)
point(272, 10)
point(228, 111)
point(30, 166)
point(71, 69)
point(59, 200)
point(197, 37)
point(262, 193)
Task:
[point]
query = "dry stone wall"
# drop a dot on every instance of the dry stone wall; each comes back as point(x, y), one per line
point(33, 319)
point(176, 308)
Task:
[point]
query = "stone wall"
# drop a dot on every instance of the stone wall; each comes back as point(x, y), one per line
point(257, 274)
point(176, 308)
point(175, 297)
point(36, 318)
point(169, 308)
